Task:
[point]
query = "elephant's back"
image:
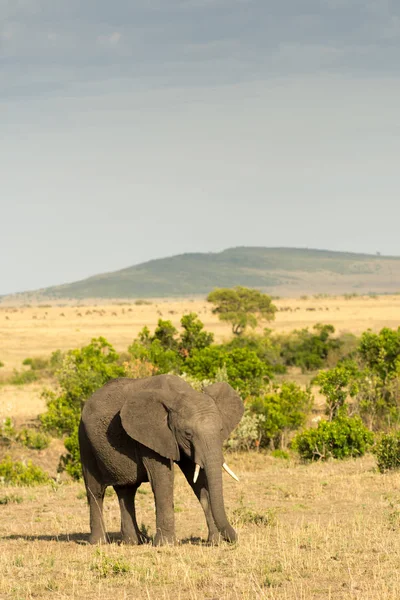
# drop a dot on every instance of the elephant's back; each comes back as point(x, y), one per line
point(108, 400)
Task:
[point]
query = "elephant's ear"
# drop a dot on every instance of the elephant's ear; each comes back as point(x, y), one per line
point(229, 403)
point(144, 416)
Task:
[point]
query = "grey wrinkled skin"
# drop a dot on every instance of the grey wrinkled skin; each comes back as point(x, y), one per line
point(133, 430)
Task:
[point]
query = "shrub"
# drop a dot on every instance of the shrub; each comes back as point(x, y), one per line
point(378, 397)
point(83, 371)
point(377, 400)
point(138, 369)
point(308, 350)
point(18, 473)
point(165, 333)
point(341, 438)
point(336, 384)
point(387, 451)
point(7, 431)
point(36, 364)
point(381, 352)
point(153, 352)
point(30, 438)
point(265, 346)
point(248, 433)
point(1, 364)
point(35, 440)
point(284, 409)
point(245, 371)
point(193, 335)
point(23, 377)
point(71, 462)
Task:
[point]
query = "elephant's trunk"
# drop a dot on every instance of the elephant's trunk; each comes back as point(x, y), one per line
point(213, 469)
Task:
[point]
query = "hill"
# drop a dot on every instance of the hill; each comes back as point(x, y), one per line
point(278, 271)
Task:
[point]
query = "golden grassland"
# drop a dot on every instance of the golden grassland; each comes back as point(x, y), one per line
point(319, 531)
point(41, 329)
point(38, 330)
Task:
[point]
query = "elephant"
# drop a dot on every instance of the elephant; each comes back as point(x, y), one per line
point(133, 430)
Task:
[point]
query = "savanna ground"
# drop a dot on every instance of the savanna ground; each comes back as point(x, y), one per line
point(306, 531)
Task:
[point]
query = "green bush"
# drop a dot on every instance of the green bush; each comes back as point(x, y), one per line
point(380, 352)
point(23, 377)
point(284, 409)
point(36, 364)
point(265, 346)
point(165, 360)
point(378, 396)
point(30, 438)
point(1, 364)
point(341, 438)
point(308, 350)
point(193, 335)
point(245, 371)
point(18, 473)
point(248, 433)
point(7, 431)
point(62, 413)
point(336, 385)
point(35, 440)
point(83, 371)
point(378, 401)
point(165, 350)
point(71, 462)
point(387, 451)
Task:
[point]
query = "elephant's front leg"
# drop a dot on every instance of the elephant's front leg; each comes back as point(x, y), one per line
point(161, 476)
point(200, 488)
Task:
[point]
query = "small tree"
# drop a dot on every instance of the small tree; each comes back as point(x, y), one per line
point(285, 408)
point(242, 307)
point(380, 352)
point(336, 384)
point(193, 335)
point(165, 332)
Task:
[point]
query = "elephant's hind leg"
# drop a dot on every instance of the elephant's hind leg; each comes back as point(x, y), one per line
point(130, 531)
point(94, 490)
point(95, 495)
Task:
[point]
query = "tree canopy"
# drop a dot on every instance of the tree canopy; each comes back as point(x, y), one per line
point(242, 307)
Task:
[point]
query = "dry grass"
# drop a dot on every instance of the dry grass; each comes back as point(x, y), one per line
point(324, 531)
point(334, 534)
point(37, 331)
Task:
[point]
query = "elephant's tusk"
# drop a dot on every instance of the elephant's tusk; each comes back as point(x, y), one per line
point(230, 472)
point(196, 473)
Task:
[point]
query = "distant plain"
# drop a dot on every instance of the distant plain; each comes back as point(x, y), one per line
point(31, 331)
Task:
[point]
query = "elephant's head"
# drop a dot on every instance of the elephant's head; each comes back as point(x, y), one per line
point(170, 417)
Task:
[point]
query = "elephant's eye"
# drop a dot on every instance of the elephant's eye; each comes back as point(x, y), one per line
point(188, 434)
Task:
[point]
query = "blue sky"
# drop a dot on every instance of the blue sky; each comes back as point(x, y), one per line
point(131, 130)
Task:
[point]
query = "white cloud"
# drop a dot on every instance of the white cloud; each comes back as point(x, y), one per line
point(111, 39)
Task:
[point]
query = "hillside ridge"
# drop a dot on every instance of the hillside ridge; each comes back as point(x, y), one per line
point(280, 271)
